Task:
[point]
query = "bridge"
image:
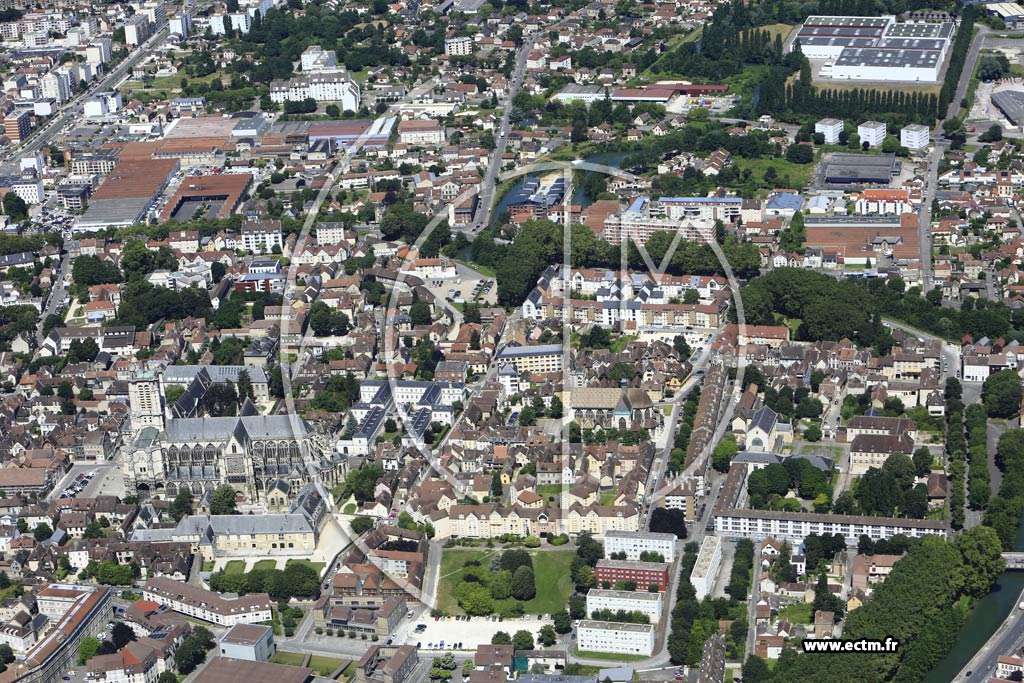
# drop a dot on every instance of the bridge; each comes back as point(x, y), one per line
point(1014, 561)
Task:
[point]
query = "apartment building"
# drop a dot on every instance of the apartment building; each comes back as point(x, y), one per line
point(208, 605)
point(705, 570)
point(634, 543)
point(461, 46)
point(630, 601)
point(260, 237)
point(536, 358)
point(644, 574)
point(607, 636)
point(796, 526)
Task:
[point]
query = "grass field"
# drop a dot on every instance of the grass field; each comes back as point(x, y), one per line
point(288, 658)
point(611, 657)
point(552, 595)
point(788, 174)
point(778, 29)
point(607, 498)
point(486, 271)
point(208, 566)
point(799, 613)
point(325, 666)
point(318, 567)
point(263, 565)
point(545, 491)
point(170, 82)
point(235, 567)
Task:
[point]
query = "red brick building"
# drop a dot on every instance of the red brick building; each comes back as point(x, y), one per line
point(643, 573)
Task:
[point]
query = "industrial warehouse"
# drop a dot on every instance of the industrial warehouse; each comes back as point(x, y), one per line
point(876, 48)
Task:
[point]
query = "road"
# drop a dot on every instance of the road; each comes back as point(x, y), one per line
point(485, 198)
point(1004, 641)
point(925, 217)
point(970, 63)
point(55, 299)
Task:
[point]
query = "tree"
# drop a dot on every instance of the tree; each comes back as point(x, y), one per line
point(221, 400)
point(547, 635)
point(245, 390)
point(501, 585)
point(42, 532)
point(501, 638)
point(755, 670)
point(800, 153)
point(577, 607)
point(681, 346)
point(813, 433)
point(121, 634)
point(922, 461)
point(724, 453)
point(182, 504)
point(15, 207)
point(562, 622)
point(167, 677)
point(419, 312)
point(360, 525)
point(222, 501)
point(87, 649)
point(524, 586)
point(522, 640)
point(1001, 393)
point(981, 551)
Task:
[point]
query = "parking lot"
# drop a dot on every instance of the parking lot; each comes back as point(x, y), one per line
point(448, 632)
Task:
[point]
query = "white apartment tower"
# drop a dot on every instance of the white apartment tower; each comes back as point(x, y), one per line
point(872, 132)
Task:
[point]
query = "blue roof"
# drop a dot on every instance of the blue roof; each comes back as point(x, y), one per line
point(785, 200)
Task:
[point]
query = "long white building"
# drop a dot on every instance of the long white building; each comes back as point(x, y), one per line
point(609, 636)
point(332, 87)
point(634, 543)
point(705, 570)
point(630, 601)
point(796, 526)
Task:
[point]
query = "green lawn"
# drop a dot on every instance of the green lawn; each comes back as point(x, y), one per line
point(325, 666)
point(171, 82)
point(611, 657)
point(486, 271)
point(799, 613)
point(552, 570)
point(288, 658)
point(318, 567)
point(208, 566)
point(788, 174)
point(235, 567)
point(780, 29)
point(263, 565)
point(545, 491)
point(607, 498)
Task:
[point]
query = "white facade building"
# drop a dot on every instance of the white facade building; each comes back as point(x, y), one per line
point(98, 51)
point(335, 87)
point(796, 526)
point(29, 189)
point(915, 136)
point(607, 636)
point(705, 570)
point(635, 543)
point(136, 30)
point(56, 85)
point(830, 128)
point(629, 601)
point(459, 47)
point(181, 24)
point(872, 132)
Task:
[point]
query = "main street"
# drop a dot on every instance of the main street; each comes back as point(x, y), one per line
point(485, 198)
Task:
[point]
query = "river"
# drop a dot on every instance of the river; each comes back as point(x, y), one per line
point(982, 621)
point(613, 159)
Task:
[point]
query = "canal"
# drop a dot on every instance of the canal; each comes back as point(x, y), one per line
point(982, 621)
point(612, 159)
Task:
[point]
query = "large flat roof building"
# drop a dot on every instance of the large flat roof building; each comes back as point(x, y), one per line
point(847, 169)
point(876, 48)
